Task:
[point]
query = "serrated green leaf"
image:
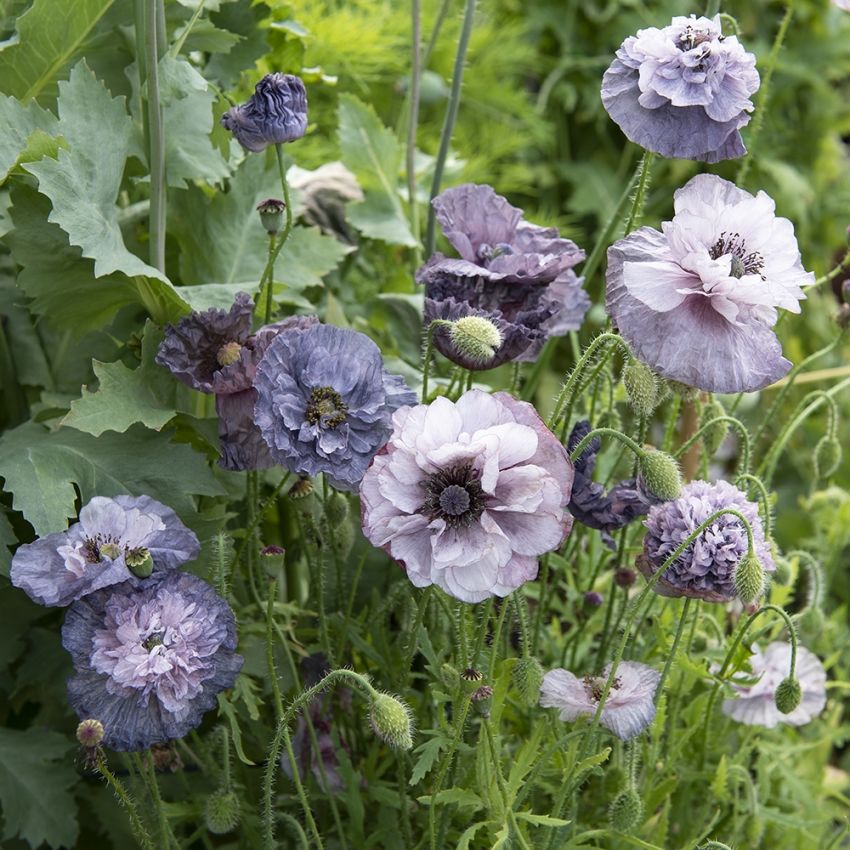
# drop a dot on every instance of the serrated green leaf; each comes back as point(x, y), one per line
point(20, 125)
point(463, 797)
point(373, 153)
point(468, 835)
point(429, 752)
point(49, 35)
point(502, 838)
point(225, 707)
point(146, 394)
point(542, 820)
point(35, 784)
point(42, 468)
point(720, 783)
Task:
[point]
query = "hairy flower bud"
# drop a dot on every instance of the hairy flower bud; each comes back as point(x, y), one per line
point(624, 577)
point(271, 214)
point(592, 599)
point(221, 812)
point(714, 435)
point(641, 387)
point(788, 694)
point(827, 457)
point(625, 811)
point(660, 474)
point(528, 677)
point(337, 509)
point(391, 721)
point(749, 578)
point(475, 337)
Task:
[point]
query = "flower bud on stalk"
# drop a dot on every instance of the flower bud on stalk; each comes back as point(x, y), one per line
point(641, 387)
point(391, 721)
point(660, 474)
point(626, 811)
point(475, 337)
point(221, 812)
point(788, 694)
point(528, 677)
point(749, 578)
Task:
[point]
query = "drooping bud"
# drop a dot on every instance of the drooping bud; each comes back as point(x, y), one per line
point(660, 473)
point(715, 434)
point(337, 508)
point(528, 678)
point(827, 457)
point(641, 386)
point(221, 812)
point(229, 354)
point(391, 721)
point(625, 811)
point(624, 577)
point(90, 733)
point(788, 694)
point(342, 539)
point(475, 337)
point(271, 214)
point(749, 578)
point(139, 562)
point(592, 599)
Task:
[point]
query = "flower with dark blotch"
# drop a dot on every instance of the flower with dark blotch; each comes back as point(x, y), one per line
point(594, 506)
point(468, 495)
point(755, 704)
point(325, 402)
point(274, 114)
point(706, 568)
point(683, 91)
point(115, 540)
point(150, 662)
point(215, 352)
point(517, 274)
point(697, 302)
point(629, 707)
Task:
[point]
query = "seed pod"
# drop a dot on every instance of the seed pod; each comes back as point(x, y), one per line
point(625, 811)
point(221, 812)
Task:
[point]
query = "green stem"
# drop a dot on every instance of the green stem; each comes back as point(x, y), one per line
point(831, 275)
point(413, 118)
point(257, 518)
point(267, 280)
point(503, 791)
point(764, 498)
point(435, 32)
point(178, 45)
point(449, 123)
point(413, 642)
point(127, 801)
point(156, 150)
point(744, 459)
point(640, 195)
point(659, 691)
point(585, 441)
point(278, 700)
point(522, 617)
point(145, 768)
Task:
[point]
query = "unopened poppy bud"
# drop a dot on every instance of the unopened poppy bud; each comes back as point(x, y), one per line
point(593, 599)
point(337, 509)
point(827, 456)
point(271, 214)
point(221, 812)
point(475, 337)
point(749, 578)
point(684, 391)
point(625, 811)
point(90, 733)
point(528, 678)
point(660, 474)
point(139, 562)
point(641, 387)
point(788, 694)
point(482, 693)
point(391, 721)
point(715, 434)
point(624, 577)
point(782, 574)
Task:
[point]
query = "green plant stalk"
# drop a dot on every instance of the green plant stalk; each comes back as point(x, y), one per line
point(764, 499)
point(413, 118)
point(500, 782)
point(413, 642)
point(606, 432)
point(541, 605)
point(435, 32)
point(497, 637)
point(744, 460)
point(640, 195)
point(833, 273)
point(267, 281)
point(278, 700)
point(521, 609)
point(127, 801)
point(481, 632)
point(257, 518)
point(659, 691)
point(297, 829)
point(156, 150)
point(449, 123)
point(815, 595)
point(146, 771)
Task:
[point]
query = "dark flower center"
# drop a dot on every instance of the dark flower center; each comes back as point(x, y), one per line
point(454, 495)
point(101, 546)
point(691, 38)
point(152, 641)
point(595, 685)
point(91, 551)
point(742, 262)
point(490, 252)
point(326, 408)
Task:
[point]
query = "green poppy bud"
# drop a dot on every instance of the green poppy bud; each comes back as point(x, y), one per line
point(749, 578)
point(715, 434)
point(827, 456)
point(788, 694)
point(661, 475)
point(221, 812)
point(641, 387)
point(625, 811)
point(391, 721)
point(475, 337)
point(528, 677)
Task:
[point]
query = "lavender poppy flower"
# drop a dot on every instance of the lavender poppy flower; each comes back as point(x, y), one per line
point(754, 704)
point(706, 568)
point(274, 114)
point(150, 662)
point(697, 302)
point(515, 273)
point(629, 707)
point(844, 5)
point(468, 495)
point(113, 538)
point(324, 402)
point(683, 91)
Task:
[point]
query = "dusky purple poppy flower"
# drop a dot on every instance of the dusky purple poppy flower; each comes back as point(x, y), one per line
point(706, 568)
point(274, 114)
point(468, 495)
point(150, 662)
point(115, 540)
point(325, 402)
point(629, 707)
point(683, 91)
point(518, 274)
point(697, 301)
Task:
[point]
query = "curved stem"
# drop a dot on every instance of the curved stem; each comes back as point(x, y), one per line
point(156, 151)
point(833, 273)
point(127, 801)
point(413, 118)
point(585, 441)
point(764, 498)
point(744, 461)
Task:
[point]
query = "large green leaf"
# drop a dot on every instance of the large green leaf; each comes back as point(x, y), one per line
point(49, 35)
point(373, 153)
point(24, 127)
point(35, 783)
point(42, 468)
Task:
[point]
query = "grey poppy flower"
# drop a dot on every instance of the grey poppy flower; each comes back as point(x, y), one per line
point(706, 568)
point(515, 273)
point(150, 662)
point(325, 402)
point(114, 541)
point(275, 113)
point(683, 91)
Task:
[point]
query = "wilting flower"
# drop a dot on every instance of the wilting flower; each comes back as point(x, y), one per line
point(325, 193)
point(706, 568)
point(683, 91)
point(468, 495)
point(590, 503)
point(115, 540)
point(629, 707)
point(215, 352)
point(755, 705)
point(517, 274)
point(325, 401)
point(150, 662)
point(697, 302)
point(275, 113)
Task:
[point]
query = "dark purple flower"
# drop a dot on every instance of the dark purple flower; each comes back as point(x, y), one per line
point(275, 113)
point(114, 541)
point(515, 273)
point(594, 506)
point(683, 91)
point(706, 568)
point(325, 402)
point(150, 662)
